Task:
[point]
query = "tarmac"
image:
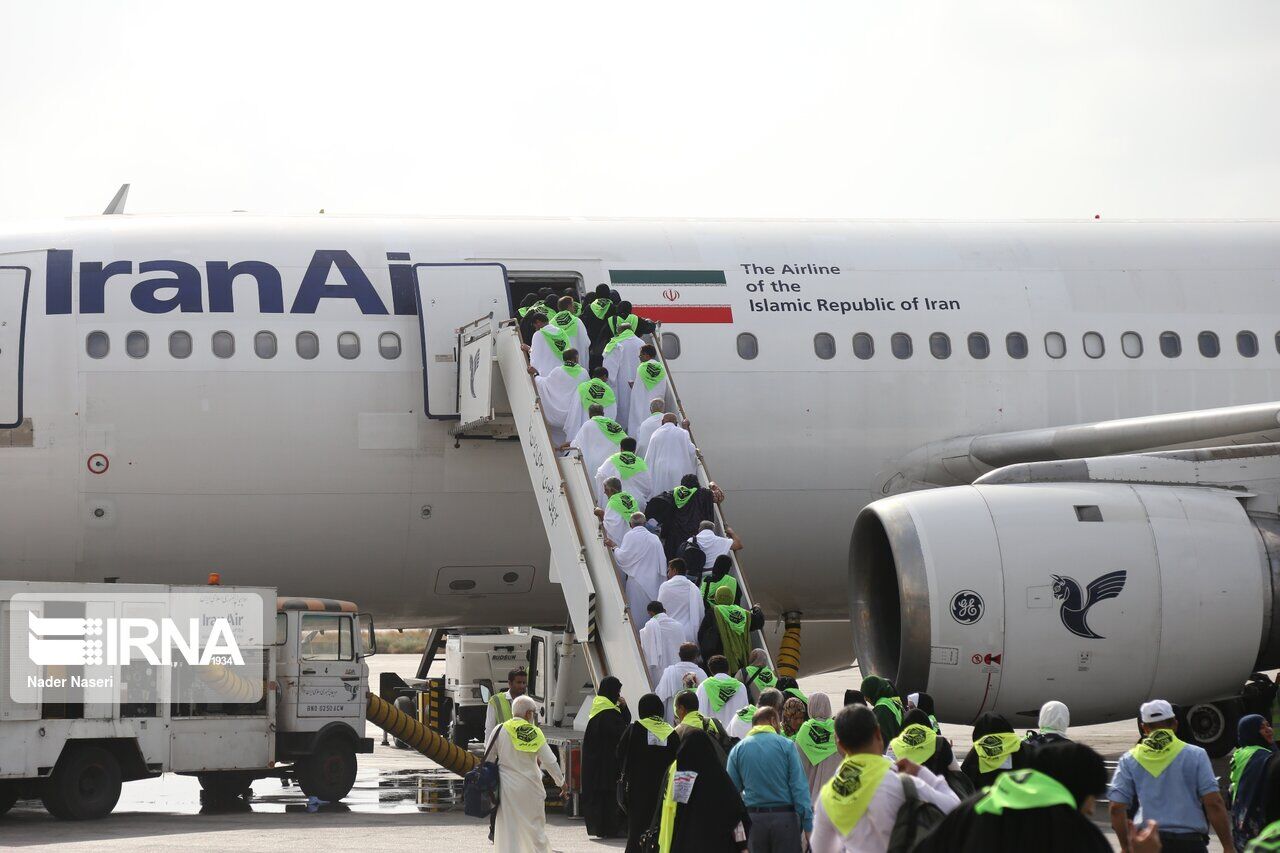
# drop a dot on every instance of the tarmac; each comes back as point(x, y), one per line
point(401, 798)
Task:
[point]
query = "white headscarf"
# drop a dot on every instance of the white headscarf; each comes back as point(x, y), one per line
point(819, 706)
point(913, 700)
point(1054, 717)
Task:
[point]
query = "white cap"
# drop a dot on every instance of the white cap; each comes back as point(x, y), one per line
point(1156, 711)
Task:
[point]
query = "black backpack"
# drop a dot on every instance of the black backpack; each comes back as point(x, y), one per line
point(694, 559)
point(916, 819)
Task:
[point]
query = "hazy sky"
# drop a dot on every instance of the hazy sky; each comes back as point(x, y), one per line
point(858, 109)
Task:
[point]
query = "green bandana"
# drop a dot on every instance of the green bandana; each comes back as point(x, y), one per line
point(694, 720)
point(628, 323)
point(847, 794)
point(720, 689)
point(651, 373)
point(612, 429)
point(623, 504)
point(1022, 790)
point(564, 320)
point(894, 706)
point(596, 392)
point(657, 727)
point(732, 615)
point(915, 743)
point(1157, 750)
point(556, 339)
point(764, 680)
point(521, 312)
point(574, 370)
point(1239, 761)
point(601, 703)
point(600, 307)
point(667, 823)
point(628, 464)
point(995, 748)
point(795, 691)
point(817, 740)
point(1268, 839)
point(710, 586)
point(747, 713)
point(617, 339)
point(682, 495)
point(525, 736)
point(755, 730)
point(576, 310)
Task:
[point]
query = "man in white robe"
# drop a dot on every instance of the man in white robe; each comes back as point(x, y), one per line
point(558, 391)
point(618, 509)
point(621, 359)
point(670, 456)
point(520, 825)
point(644, 431)
point(713, 544)
point(660, 640)
point(595, 390)
point(564, 318)
point(730, 694)
point(597, 439)
point(546, 353)
point(640, 557)
point(627, 467)
point(682, 599)
point(650, 381)
point(673, 678)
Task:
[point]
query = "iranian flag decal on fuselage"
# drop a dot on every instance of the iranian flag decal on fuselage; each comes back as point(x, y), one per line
point(675, 296)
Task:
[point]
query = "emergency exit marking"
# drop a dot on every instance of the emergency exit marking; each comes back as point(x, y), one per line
point(98, 464)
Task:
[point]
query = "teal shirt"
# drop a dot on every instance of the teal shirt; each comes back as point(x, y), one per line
point(766, 769)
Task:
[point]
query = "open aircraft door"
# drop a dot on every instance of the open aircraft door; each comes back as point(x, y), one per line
point(15, 289)
point(449, 297)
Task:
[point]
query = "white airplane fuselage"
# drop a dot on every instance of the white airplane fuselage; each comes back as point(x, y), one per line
point(322, 476)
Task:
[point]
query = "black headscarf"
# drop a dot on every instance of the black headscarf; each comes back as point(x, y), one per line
point(925, 703)
point(942, 755)
point(990, 724)
point(715, 807)
point(610, 688)
point(643, 768)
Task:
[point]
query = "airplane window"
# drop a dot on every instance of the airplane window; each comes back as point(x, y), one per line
point(1247, 344)
point(670, 344)
point(97, 344)
point(348, 345)
point(224, 344)
point(1055, 345)
point(1170, 344)
point(748, 346)
point(1015, 343)
point(1094, 347)
point(264, 345)
point(824, 346)
point(979, 346)
point(940, 345)
point(1277, 341)
point(308, 345)
point(1131, 344)
point(900, 343)
point(389, 345)
point(1208, 342)
point(864, 346)
point(179, 344)
point(136, 344)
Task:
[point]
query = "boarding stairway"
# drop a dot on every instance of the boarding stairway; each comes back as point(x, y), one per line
point(503, 401)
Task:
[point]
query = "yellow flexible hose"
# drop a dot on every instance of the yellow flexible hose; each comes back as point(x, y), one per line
point(788, 663)
point(406, 728)
point(229, 686)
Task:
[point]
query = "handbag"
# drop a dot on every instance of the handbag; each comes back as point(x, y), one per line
point(622, 790)
point(480, 786)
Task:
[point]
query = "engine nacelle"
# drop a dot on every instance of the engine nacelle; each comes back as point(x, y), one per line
point(1103, 595)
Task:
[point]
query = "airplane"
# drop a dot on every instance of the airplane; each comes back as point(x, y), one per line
point(1005, 462)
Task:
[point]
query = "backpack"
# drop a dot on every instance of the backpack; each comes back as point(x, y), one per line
point(961, 785)
point(694, 559)
point(480, 786)
point(916, 819)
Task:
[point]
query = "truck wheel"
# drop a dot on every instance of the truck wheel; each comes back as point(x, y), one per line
point(1212, 726)
point(329, 772)
point(85, 785)
point(226, 784)
point(8, 796)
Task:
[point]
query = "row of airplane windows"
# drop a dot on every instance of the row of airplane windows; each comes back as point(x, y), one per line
point(1015, 344)
point(137, 344)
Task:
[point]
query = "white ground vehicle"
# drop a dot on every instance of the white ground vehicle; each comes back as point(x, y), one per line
point(307, 723)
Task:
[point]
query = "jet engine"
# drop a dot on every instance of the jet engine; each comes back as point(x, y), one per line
point(1103, 595)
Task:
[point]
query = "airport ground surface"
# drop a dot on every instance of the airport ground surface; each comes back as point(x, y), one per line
point(400, 799)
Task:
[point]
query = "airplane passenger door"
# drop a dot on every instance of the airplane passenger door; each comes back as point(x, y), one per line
point(15, 285)
point(449, 296)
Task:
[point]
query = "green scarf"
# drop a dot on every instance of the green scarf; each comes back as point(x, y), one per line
point(667, 824)
point(574, 370)
point(1157, 750)
point(600, 307)
point(720, 689)
point(564, 320)
point(576, 309)
point(1267, 840)
point(795, 691)
point(893, 704)
point(602, 703)
point(628, 323)
point(628, 464)
point(596, 392)
point(817, 740)
point(556, 339)
point(682, 494)
point(657, 727)
point(732, 621)
point(847, 794)
point(755, 730)
point(1239, 761)
point(993, 749)
point(764, 680)
point(612, 429)
point(1022, 790)
point(933, 721)
point(525, 736)
point(623, 504)
point(710, 586)
point(617, 339)
point(915, 743)
point(694, 720)
point(747, 713)
point(651, 373)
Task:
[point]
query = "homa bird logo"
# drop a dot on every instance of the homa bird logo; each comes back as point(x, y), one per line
point(54, 641)
point(473, 362)
point(1076, 604)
